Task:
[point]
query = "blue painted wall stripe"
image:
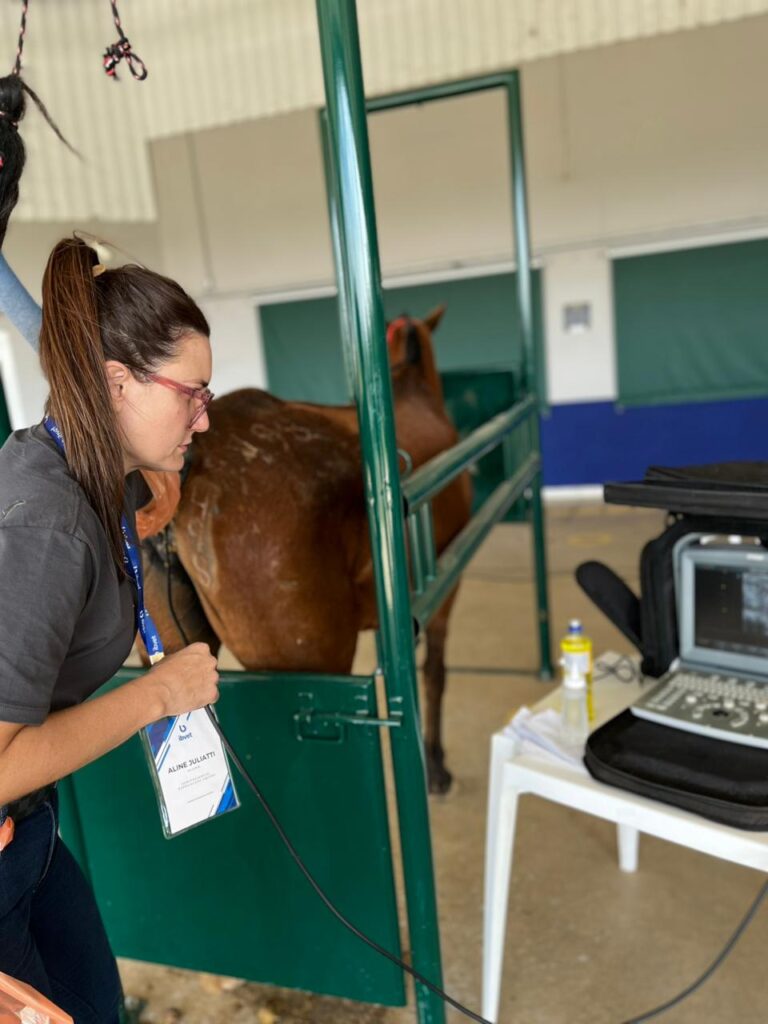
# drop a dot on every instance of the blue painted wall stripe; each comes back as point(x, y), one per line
point(592, 442)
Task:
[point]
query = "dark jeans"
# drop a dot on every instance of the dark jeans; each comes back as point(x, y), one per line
point(51, 932)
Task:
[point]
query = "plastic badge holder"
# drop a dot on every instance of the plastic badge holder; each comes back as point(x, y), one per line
point(20, 1002)
point(189, 770)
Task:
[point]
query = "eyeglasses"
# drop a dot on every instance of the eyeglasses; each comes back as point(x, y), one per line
point(202, 395)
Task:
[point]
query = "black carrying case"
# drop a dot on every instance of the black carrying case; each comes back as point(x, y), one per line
point(722, 781)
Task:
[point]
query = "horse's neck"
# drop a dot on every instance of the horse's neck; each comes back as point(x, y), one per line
point(422, 424)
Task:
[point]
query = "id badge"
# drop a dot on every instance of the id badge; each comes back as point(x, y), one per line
point(189, 770)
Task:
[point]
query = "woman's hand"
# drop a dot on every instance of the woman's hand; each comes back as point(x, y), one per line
point(185, 681)
point(31, 756)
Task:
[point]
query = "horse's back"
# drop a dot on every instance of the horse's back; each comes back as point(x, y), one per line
point(264, 438)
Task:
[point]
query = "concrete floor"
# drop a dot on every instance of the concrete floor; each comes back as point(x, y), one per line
point(586, 944)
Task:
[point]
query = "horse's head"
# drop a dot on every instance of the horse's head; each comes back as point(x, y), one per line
point(409, 343)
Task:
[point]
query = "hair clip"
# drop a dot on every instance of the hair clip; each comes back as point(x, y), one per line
point(98, 269)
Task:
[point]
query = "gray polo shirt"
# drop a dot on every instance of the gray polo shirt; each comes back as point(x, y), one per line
point(67, 622)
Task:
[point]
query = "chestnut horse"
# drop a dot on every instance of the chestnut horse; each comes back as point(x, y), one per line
point(271, 553)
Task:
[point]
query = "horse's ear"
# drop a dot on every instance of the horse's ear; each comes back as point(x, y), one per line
point(433, 319)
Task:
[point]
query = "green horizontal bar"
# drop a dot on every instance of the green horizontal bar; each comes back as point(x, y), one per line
point(333, 716)
point(438, 92)
point(462, 548)
point(309, 678)
point(438, 472)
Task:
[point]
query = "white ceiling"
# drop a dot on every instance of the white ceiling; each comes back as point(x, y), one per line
point(216, 62)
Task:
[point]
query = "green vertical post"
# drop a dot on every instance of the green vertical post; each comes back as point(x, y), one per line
point(530, 375)
point(359, 280)
point(349, 352)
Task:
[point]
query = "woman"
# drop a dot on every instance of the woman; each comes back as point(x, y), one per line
point(127, 358)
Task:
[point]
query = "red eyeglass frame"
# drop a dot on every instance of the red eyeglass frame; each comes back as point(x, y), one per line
point(203, 395)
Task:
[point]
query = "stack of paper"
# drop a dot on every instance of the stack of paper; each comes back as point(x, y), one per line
point(540, 733)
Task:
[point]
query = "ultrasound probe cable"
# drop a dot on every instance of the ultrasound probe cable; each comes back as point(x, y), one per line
point(656, 1012)
point(648, 1015)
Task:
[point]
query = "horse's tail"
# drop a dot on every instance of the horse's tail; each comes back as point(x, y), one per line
point(171, 597)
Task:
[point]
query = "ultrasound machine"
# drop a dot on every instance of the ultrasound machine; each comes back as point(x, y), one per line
point(718, 686)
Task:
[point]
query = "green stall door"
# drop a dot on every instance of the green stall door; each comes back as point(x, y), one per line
point(226, 897)
point(472, 397)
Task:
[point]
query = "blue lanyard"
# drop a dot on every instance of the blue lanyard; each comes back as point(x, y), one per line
point(132, 563)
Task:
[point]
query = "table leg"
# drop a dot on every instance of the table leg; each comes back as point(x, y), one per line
point(503, 749)
point(628, 839)
point(496, 898)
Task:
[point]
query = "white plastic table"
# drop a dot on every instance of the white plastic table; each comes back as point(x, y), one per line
point(512, 774)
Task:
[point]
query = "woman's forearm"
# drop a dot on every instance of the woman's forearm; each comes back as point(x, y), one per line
point(67, 740)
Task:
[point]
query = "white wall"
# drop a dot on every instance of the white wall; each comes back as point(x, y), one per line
point(238, 359)
point(651, 143)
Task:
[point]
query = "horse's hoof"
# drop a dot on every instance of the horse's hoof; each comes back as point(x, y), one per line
point(440, 779)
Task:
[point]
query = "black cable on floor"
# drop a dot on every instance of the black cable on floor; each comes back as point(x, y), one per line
point(745, 921)
point(336, 913)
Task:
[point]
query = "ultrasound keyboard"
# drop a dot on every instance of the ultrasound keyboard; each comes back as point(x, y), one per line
point(721, 707)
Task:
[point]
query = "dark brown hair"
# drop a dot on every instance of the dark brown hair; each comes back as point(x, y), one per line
point(13, 101)
point(128, 314)
point(12, 104)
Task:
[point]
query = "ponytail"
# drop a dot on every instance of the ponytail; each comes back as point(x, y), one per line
point(12, 154)
point(72, 358)
point(13, 102)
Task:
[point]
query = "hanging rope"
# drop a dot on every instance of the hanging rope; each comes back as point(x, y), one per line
point(121, 50)
point(22, 32)
point(19, 106)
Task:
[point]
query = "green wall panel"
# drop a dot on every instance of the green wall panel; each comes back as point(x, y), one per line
point(692, 325)
point(302, 348)
point(480, 331)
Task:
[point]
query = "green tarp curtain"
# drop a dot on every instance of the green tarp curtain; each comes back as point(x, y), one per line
point(480, 330)
point(692, 325)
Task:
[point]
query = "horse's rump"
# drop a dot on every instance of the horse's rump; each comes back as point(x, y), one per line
point(270, 528)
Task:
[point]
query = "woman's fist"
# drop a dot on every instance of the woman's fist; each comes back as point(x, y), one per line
point(185, 681)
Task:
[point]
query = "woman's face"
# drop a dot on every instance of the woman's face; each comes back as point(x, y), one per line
point(154, 419)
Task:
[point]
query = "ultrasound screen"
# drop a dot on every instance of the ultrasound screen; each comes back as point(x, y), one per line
point(732, 610)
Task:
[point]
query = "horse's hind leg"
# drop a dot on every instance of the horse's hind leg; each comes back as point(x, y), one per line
point(434, 686)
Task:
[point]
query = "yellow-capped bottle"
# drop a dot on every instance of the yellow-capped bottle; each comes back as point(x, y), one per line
point(576, 659)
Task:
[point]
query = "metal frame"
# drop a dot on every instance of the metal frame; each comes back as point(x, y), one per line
point(353, 230)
